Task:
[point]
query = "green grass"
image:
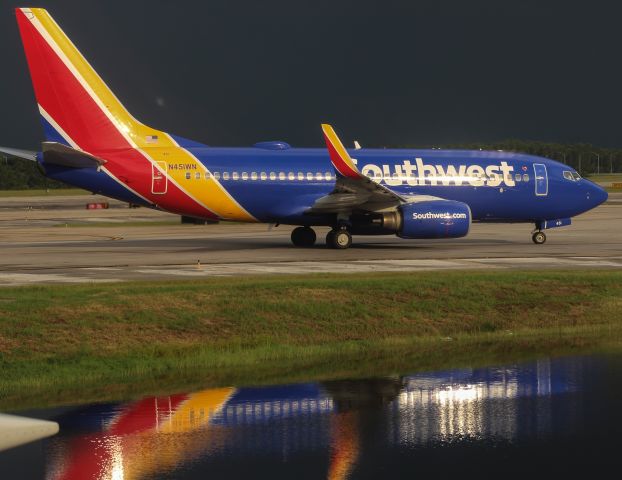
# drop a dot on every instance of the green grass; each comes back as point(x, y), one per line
point(606, 179)
point(35, 192)
point(62, 344)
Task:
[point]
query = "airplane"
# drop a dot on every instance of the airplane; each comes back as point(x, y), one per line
point(94, 143)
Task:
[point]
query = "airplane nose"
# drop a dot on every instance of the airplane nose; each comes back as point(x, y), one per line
point(596, 194)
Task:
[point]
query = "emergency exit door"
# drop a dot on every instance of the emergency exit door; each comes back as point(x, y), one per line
point(542, 179)
point(159, 180)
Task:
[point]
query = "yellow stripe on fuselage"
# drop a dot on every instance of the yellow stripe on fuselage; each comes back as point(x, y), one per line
point(196, 410)
point(208, 192)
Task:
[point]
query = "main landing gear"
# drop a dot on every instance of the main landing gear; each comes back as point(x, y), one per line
point(339, 238)
point(538, 237)
point(303, 237)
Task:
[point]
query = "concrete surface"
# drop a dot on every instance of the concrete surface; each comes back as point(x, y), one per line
point(55, 239)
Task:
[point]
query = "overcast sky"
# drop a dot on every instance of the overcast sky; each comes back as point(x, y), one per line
point(384, 72)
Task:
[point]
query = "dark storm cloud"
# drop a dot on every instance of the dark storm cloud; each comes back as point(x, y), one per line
point(384, 72)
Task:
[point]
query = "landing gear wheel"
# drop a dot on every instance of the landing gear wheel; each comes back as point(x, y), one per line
point(303, 237)
point(330, 238)
point(538, 238)
point(340, 239)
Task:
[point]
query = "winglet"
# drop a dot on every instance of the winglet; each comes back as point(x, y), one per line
point(338, 154)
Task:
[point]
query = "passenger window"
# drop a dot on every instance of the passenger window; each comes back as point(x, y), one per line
point(254, 176)
point(309, 176)
point(244, 176)
point(225, 176)
point(272, 176)
point(568, 175)
point(281, 175)
point(318, 176)
point(301, 176)
point(207, 175)
point(217, 175)
point(197, 175)
point(328, 176)
point(263, 175)
point(525, 178)
point(517, 177)
point(291, 176)
point(187, 175)
point(236, 175)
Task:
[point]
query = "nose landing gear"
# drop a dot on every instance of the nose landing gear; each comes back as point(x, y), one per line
point(538, 237)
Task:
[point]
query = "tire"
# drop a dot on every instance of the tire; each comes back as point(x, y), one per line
point(341, 239)
point(538, 238)
point(330, 239)
point(303, 237)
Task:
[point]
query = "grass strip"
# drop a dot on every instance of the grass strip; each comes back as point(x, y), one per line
point(75, 343)
point(41, 192)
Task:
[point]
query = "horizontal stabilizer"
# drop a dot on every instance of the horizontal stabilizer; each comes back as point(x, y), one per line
point(17, 153)
point(59, 154)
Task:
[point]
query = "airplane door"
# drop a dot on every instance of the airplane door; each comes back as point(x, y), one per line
point(542, 179)
point(159, 180)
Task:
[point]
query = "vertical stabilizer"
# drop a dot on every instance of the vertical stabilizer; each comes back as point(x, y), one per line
point(76, 106)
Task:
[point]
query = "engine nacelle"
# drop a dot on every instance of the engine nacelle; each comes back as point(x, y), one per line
point(434, 219)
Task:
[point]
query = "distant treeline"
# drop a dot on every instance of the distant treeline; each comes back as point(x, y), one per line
point(585, 158)
point(23, 175)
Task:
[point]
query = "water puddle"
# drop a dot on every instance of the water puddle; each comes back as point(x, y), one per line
point(549, 417)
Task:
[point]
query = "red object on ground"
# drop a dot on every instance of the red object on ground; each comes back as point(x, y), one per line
point(96, 206)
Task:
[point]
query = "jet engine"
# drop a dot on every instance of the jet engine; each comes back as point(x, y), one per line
point(424, 219)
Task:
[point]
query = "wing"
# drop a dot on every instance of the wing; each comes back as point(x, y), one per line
point(57, 154)
point(18, 153)
point(353, 190)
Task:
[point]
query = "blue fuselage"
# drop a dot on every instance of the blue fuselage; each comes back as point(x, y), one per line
point(282, 185)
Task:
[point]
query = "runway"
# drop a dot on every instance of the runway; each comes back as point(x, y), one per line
point(56, 240)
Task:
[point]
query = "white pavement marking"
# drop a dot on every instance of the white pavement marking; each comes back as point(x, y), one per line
point(13, 279)
point(359, 266)
point(113, 274)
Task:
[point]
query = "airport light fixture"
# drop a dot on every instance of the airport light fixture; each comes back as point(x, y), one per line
point(597, 161)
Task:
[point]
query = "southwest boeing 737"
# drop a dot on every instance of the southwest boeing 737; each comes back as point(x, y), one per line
point(93, 142)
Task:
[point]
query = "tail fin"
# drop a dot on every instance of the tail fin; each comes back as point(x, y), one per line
point(77, 107)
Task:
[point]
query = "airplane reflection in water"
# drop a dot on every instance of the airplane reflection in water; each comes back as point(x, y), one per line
point(160, 434)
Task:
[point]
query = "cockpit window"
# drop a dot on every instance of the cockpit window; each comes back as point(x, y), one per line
point(572, 176)
point(576, 176)
point(568, 175)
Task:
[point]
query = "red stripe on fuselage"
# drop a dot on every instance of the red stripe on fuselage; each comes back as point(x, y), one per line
point(62, 96)
point(88, 457)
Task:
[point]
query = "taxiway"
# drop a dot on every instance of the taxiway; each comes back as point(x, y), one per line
point(55, 239)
